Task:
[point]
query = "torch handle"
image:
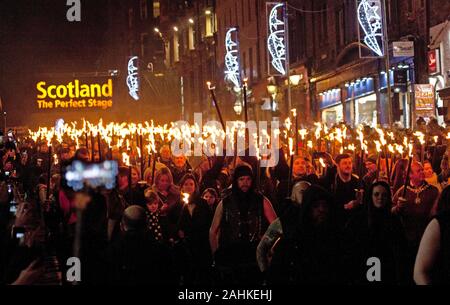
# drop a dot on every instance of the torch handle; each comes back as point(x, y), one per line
point(407, 177)
point(99, 147)
point(142, 157)
point(290, 176)
point(213, 96)
point(387, 164)
point(49, 171)
point(153, 168)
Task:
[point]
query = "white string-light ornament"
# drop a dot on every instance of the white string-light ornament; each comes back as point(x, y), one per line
point(231, 58)
point(371, 22)
point(276, 44)
point(132, 78)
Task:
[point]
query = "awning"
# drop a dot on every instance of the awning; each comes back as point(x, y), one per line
point(444, 94)
point(437, 34)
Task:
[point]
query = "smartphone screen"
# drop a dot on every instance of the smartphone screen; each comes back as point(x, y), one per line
point(19, 235)
point(13, 209)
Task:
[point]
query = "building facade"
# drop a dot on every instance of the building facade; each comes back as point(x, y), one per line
point(329, 79)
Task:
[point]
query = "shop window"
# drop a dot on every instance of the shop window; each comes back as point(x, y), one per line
point(333, 115)
point(366, 110)
point(209, 25)
point(156, 9)
point(176, 48)
point(191, 36)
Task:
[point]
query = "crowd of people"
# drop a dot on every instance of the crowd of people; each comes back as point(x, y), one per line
point(219, 222)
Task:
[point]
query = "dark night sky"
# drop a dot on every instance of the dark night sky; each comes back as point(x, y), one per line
point(35, 37)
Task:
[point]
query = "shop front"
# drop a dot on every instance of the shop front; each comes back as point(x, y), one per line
point(331, 108)
point(362, 101)
point(439, 68)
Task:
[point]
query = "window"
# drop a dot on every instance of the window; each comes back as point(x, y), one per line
point(191, 41)
point(143, 9)
point(156, 9)
point(176, 48)
point(209, 19)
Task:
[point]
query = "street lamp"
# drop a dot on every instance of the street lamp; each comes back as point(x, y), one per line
point(295, 79)
point(272, 89)
point(4, 118)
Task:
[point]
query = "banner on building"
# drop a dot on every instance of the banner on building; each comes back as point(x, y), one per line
point(434, 64)
point(370, 28)
point(403, 48)
point(232, 62)
point(75, 94)
point(424, 100)
point(276, 38)
point(133, 77)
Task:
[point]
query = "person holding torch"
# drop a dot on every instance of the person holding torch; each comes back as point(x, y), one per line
point(415, 203)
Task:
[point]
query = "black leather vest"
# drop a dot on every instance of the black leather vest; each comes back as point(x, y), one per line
point(237, 228)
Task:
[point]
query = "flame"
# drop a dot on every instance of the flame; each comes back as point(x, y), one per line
point(126, 159)
point(294, 112)
point(391, 135)
point(391, 148)
point(309, 144)
point(420, 136)
point(381, 135)
point(364, 146)
point(339, 135)
point(378, 145)
point(303, 133)
point(410, 150)
point(435, 138)
point(405, 141)
point(322, 163)
point(55, 159)
point(351, 147)
point(185, 198)
point(291, 147)
point(318, 129)
point(288, 123)
point(399, 148)
point(360, 133)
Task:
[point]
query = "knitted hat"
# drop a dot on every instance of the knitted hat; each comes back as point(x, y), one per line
point(242, 170)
